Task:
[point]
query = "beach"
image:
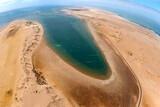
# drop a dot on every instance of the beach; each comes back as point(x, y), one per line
point(81, 89)
point(34, 75)
point(21, 85)
point(137, 45)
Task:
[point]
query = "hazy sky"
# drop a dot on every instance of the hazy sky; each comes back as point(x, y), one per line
point(12, 4)
point(154, 4)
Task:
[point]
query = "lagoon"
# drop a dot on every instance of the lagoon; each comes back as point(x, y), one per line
point(69, 37)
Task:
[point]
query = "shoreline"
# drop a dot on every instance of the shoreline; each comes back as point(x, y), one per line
point(75, 84)
point(133, 43)
point(33, 74)
point(125, 19)
point(144, 28)
point(81, 68)
point(117, 52)
point(28, 85)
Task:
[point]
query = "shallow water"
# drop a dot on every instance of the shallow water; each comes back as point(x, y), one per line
point(69, 37)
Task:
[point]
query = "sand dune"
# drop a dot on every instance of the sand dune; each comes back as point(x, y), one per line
point(21, 85)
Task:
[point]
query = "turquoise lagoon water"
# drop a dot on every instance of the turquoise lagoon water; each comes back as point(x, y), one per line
point(73, 41)
point(68, 36)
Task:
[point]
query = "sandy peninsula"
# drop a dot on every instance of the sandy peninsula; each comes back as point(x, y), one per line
point(34, 75)
point(138, 46)
point(21, 85)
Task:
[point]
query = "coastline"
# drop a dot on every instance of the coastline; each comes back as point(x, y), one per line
point(26, 87)
point(78, 66)
point(94, 33)
point(135, 44)
point(33, 74)
point(145, 28)
point(75, 84)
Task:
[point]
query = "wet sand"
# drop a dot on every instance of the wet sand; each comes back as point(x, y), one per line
point(34, 75)
point(138, 46)
point(83, 90)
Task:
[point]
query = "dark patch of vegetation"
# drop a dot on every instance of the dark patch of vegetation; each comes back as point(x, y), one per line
point(28, 23)
point(36, 29)
point(12, 31)
point(40, 79)
point(130, 53)
point(79, 9)
point(9, 92)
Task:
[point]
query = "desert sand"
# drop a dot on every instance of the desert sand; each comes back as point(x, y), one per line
point(138, 46)
point(34, 75)
point(21, 85)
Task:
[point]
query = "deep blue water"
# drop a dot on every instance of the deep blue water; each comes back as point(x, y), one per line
point(143, 16)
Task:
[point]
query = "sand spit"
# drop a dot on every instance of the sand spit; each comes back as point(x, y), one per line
point(86, 91)
point(122, 89)
point(21, 85)
point(138, 46)
point(34, 75)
